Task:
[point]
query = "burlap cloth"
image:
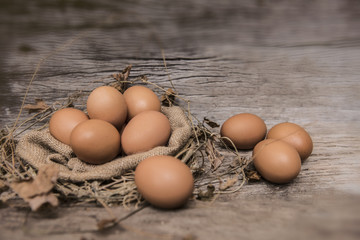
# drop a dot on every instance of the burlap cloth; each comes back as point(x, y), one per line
point(39, 148)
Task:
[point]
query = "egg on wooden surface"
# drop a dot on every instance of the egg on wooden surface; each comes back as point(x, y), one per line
point(95, 141)
point(145, 131)
point(276, 160)
point(108, 104)
point(245, 130)
point(164, 181)
point(139, 99)
point(295, 135)
point(63, 121)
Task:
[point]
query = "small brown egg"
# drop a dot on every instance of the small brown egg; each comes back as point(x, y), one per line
point(164, 181)
point(63, 121)
point(108, 104)
point(95, 141)
point(294, 135)
point(276, 161)
point(145, 131)
point(245, 130)
point(139, 99)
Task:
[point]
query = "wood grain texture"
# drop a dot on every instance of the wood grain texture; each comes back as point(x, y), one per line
point(283, 61)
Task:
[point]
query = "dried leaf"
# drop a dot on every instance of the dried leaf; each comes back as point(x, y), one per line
point(37, 191)
point(39, 105)
point(121, 79)
point(123, 76)
point(211, 123)
point(252, 175)
point(36, 202)
point(126, 72)
point(208, 195)
point(229, 183)
point(214, 155)
point(42, 183)
point(106, 223)
point(168, 97)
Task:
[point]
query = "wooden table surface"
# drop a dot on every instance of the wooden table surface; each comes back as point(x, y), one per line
point(296, 61)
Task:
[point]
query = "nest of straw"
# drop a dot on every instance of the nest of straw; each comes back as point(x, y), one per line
point(217, 168)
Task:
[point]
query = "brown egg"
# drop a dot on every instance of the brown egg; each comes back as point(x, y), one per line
point(139, 99)
point(164, 181)
point(245, 130)
point(145, 131)
point(108, 104)
point(95, 141)
point(294, 135)
point(63, 121)
point(276, 161)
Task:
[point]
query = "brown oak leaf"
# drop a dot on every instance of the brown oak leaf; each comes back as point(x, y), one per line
point(229, 183)
point(36, 202)
point(37, 191)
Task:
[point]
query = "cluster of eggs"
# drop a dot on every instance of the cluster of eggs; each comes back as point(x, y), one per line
point(131, 123)
point(277, 154)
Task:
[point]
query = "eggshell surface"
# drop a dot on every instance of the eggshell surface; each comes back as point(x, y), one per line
point(145, 131)
point(276, 161)
point(95, 141)
point(245, 130)
point(63, 121)
point(295, 135)
point(164, 181)
point(108, 104)
point(139, 99)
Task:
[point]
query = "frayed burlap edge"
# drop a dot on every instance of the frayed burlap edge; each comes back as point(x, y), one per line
point(39, 148)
